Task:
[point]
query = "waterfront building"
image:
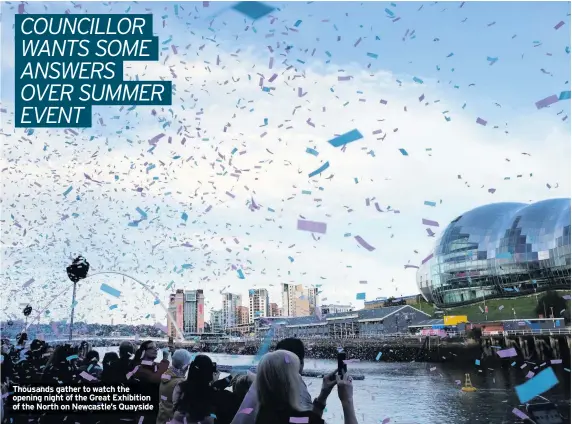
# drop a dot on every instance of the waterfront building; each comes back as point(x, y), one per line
point(499, 250)
point(335, 309)
point(382, 302)
point(193, 311)
point(362, 323)
point(298, 301)
point(242, 315)
point(230, 304)
point(259, 304)
point(216, 321)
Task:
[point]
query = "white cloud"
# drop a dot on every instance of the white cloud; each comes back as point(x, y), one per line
point(35, 180)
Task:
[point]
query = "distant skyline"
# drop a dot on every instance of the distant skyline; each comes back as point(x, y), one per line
point(232, 143)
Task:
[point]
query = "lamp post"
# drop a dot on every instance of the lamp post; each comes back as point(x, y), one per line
point(76, 271)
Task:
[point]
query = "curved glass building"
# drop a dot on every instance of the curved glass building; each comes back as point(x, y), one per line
point(497, 250)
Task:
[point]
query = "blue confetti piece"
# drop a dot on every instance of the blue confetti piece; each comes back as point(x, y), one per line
point(542, 382)
point(450, 54)
point(253, 9)
point(156, 302)
point(141, 212)
point(110, 290)
point(567, 49)
point(418, 80)
point(291, 258)
point(346, 138)
point(176, 7)
point(187, 266)
point(72, 357)
point(298, 22)
point(360, 296)
point(378, 357)
point(565, 95)
point(478, 362)
point(312, 151)
point(68, 191)
point(404, 152)
point(428, 203)
point(389, 12)
point(373, 55)
point(240, 274)
point(112, 307)
point(319, 170)
point(184, 216)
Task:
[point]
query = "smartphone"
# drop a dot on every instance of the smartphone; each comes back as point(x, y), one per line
point(342, 367)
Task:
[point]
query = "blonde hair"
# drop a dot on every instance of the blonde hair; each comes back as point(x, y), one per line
point(277, 381)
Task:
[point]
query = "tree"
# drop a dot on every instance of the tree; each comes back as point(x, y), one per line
point(550, 299)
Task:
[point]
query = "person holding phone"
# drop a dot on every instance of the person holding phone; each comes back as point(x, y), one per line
point(278, 391)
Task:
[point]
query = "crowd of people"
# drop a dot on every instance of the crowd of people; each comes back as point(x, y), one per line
point(183, 388)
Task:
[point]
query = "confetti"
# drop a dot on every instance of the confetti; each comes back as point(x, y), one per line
point(312, 226)
point(346, 138)
point(547, 101)
point(253, 9)
point(319, 170)
point(110, 290)
point(542, 382)
point(364, 244)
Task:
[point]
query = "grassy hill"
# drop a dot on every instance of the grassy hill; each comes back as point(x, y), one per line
point(524, 307)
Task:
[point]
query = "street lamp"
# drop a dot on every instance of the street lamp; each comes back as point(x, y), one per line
point(76, 271)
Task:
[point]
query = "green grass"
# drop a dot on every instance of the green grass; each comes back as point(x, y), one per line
point(524, 307)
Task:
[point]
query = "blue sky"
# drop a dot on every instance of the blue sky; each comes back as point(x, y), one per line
point(39, 240)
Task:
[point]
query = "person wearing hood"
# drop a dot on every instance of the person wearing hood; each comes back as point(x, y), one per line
point(173, 376)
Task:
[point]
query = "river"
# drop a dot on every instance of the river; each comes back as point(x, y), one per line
point(422, 393)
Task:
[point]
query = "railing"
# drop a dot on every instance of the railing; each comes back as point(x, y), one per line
point(530, 332)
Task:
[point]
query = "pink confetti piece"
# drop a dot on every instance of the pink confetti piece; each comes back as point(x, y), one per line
point(364, 244)
point(357, 42)
point(385, 421)
point(520, 414)
point(507, 353)
point(482, 122)
point(230, 194)
point(155, 139)
point(556, 361)
point(246, 411)
point(147, 363)
point(299, 420)
point(346, 78)
point(383, 102)
point(27, 283)
point(430, 222)
point(21, 9)
point(174, 48)
point(286, 359)
point(559, 24)
point(164, 397)
point(87, 376)
point(312, 226)
point(547, 101)
point(141, 418)
point(273, 77)
point(530, 374)
point(166, 377)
